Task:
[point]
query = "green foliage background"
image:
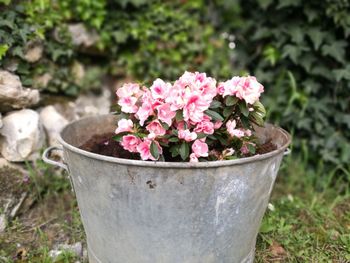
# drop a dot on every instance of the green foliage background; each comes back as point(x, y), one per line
point(298, 49)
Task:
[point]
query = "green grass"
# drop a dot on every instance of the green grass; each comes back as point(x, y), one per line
point(308, 219)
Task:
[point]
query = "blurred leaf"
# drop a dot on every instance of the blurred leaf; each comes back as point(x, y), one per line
point(336, 50)
point(316, 36)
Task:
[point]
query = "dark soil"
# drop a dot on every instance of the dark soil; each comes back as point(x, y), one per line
point(266, 147)
point(104, 144)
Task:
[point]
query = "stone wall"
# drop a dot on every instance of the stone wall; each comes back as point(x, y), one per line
point(28, 123)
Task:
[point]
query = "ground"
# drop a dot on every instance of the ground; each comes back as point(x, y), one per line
point(308, 219)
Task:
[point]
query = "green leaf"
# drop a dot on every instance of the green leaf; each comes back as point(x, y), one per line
point(335, 50)
point(257, 118)
point(271, 54)
point(342, 73)
point(251, 148)
point(316, 36)
point(264, 4)
point(179, 116)
point(174, 150)
point(165, 125)
point(184, 150)
point(215, 104)
point(201, 135)
point(222, 140)
point(119, 136)
point(173, 139)
point(287, 3)
point(259, 107)
point(231, 100)
point(3, 50)
point(291, 51)
point(214, 115)
point(227, 111)
point(243, 108)
point(154, 150)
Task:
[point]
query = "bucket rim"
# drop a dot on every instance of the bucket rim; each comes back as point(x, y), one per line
point(183, 165)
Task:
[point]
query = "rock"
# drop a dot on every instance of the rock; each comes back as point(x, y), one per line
point(3, 223)
point(89, 105)
point(42, 80)
point(13, 95)
point(76, 249)
point(22, 136)
point(34, 51)
point(53, 123)
point(11, 64)
point(1, 124)
point(78, 72)
point(81, 36)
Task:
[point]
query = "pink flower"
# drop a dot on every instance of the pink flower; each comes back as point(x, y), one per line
point(248, 133)
point(144, 148)
point(160, 89)
point(193, 158)
point(200, 149)
point(165, 114)
point(128, 89)
point(194, 108)
point(155, 129)
point(244, 149)
point(128, 104)
point(231, 125)
point(144, 112)
point(124, 125)
point(187, 135)
point(249, 89)
point(230, 86)
point(205, 126)
point(231, 129)
point(220, 88)
point(217, 125)
point(130, 143)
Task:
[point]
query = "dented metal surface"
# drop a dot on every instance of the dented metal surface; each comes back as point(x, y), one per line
point(137, 211)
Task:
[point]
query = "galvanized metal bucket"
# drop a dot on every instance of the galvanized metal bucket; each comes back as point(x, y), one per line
point(149, 212)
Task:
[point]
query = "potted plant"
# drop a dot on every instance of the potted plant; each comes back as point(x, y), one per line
point(181, 173)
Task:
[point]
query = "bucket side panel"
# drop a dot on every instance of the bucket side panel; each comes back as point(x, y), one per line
point(145, 214)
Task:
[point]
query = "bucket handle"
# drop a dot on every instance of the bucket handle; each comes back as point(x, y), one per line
point(47, 159)
point(287, 152)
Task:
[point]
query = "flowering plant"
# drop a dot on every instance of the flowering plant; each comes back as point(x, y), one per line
point(194, 119)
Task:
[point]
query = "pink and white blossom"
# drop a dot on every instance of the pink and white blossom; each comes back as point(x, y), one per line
point(165, 114)
point(160, 89)
point(200, 149)
point(193, 158)
point(144, 149)
point(231, 129)
point(130, 143)
point(155, 129)
point(152, 110)
point(187, 135)
point(128, 89)
point(205, 126)
point(128, 104)
point(124, 125)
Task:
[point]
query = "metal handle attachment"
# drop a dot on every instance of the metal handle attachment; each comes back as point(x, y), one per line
point(47, 159)
point(287, 152)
